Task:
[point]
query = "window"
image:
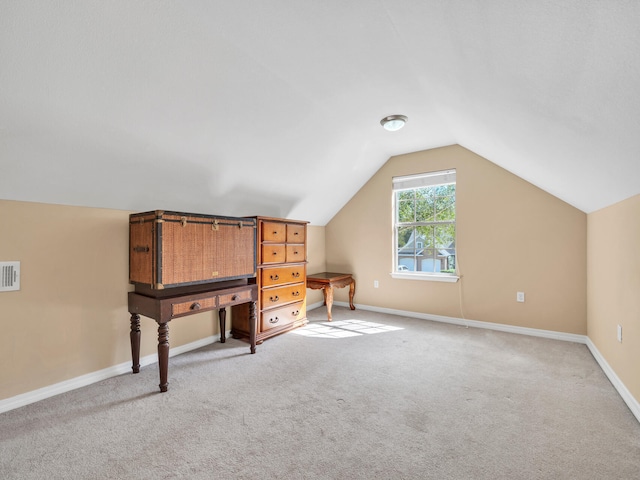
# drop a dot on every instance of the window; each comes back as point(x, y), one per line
point(425, 224)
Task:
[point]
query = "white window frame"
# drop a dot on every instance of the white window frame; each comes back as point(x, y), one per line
point(410, 182)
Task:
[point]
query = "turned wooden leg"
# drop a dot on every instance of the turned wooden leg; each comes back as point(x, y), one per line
point(222, 315)
point(163, 355)
point(352, 291)
point(328, 299)
point(253, 326)
point(134, 335)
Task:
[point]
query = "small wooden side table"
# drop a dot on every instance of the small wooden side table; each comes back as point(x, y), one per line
point(327, 281)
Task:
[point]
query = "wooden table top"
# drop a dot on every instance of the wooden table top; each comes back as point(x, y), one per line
point(327, 276)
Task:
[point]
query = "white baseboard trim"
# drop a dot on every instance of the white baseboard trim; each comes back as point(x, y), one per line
point(631, 402)
point(535, 332)
point(94, 377)
point(313, 306)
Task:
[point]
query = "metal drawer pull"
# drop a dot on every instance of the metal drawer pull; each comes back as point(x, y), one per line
point(195, 306)
point(274, 320)
point(295, 294)
point(295, 314)
point(140, 249)
point(274, 299)
point(275, 277)
point(295, 274)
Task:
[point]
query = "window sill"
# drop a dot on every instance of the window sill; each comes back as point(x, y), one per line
point(429, 277)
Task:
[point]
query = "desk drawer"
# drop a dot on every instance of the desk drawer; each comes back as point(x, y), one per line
point(272, 297)
point(201, 304)
point(279, 317)
point(234, 298)
point(282, 275)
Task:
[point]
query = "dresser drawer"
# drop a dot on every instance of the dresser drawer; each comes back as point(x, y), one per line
point(279, 317)
point(234, 298)
point(295, 233)
point(201, 304)
point(295, 253)
point(273, 253)
point(274, 232)
point(282, 275)
point(272, 297)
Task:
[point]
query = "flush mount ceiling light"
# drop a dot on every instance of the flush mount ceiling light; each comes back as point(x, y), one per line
point(393, 123)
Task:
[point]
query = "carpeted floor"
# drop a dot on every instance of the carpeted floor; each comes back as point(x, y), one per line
point(400, 399)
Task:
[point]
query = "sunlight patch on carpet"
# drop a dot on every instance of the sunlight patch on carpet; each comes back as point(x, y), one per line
point(343, 329)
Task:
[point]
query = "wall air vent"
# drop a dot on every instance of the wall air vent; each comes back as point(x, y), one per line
point(9, 276)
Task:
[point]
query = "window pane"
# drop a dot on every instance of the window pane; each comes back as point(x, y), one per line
point(444, 235)
point(425, 235)
point(425, 204)
point(446, 208)
point(405, 203)
point(405, 260)
point(404, 235)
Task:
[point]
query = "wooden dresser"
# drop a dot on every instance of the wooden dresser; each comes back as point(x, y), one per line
point(281, 280)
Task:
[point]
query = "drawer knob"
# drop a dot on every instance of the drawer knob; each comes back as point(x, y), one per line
point(195, 306)
point(274, 320)
point(274, 299)
point(295, 253)
point(275, 277)
point(234, 298)
point(295, 294)
point(274, 253)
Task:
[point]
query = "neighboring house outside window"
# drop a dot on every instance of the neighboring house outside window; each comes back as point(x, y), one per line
point(425, 225)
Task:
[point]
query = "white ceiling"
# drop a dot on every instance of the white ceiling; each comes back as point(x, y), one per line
point(273, 107)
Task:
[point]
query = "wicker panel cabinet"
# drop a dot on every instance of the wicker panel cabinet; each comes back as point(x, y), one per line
point(281, 279)
point(174, 249)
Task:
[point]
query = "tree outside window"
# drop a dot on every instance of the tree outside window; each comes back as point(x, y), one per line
point(425, 223)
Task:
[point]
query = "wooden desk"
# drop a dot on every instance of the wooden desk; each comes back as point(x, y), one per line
point(174, 305)
point(327, 281)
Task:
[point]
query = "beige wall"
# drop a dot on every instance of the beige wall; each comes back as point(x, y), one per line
point(613, 288)
point(512, 237)
point(316, 258)
point(70, 317)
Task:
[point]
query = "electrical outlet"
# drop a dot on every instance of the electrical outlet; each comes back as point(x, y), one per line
point(375, 284)
point(620, 333)
point(520, 297)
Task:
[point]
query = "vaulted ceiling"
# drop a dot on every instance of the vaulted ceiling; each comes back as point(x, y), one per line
point(273, 107)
